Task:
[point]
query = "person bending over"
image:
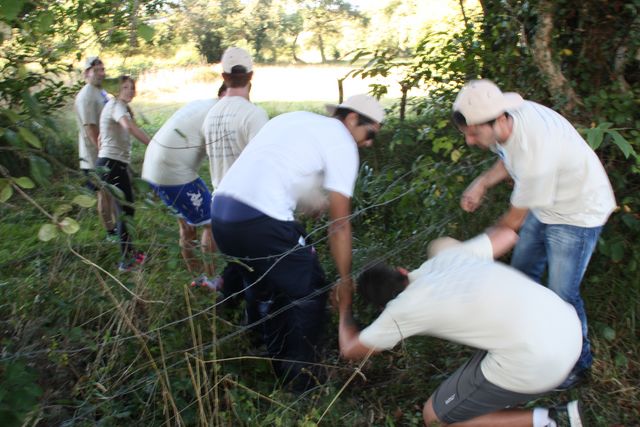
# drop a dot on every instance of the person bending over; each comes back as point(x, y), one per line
point(527, 338)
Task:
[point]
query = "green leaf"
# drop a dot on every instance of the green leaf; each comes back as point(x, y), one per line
point(25, 182)
point(594, 137)
point(40, 170)
point(5, 193)
point(11, 115)
point(45, 21)
point(146, 32)
point(12, 138)
point(117, 193)
point(621, 360)
point(47, 232)
point(84, 201)
point(622, 143)
point(29, 137)
point(69, 225)
point(62, 209)
point(176, 130)
point(455, 155)
point(9, 9)
point(617, 251)
point(608, 333)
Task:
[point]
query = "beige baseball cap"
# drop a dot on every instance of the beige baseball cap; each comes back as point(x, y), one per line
point(236, 56)
point(361, 104)
point(90, 62)
point(480, 101)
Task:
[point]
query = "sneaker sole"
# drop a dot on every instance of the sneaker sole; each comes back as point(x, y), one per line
point(575, 416)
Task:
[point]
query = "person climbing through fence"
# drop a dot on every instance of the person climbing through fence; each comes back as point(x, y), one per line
point(253, 220)
point(527, 338)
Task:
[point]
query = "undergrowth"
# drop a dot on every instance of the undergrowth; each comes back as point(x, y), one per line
point(84, 345)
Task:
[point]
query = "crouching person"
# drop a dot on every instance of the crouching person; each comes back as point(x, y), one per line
point(528, 339)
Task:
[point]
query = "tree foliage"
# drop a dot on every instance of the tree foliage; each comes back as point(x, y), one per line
point(582, 61)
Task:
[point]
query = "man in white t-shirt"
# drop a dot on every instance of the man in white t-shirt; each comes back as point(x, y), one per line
point(528, 339)
point(171, 163)
point(234, 121)
point(88, 106)
point(293, 155)
point(561, 197)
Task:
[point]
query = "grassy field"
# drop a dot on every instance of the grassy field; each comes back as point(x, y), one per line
point(84, 345)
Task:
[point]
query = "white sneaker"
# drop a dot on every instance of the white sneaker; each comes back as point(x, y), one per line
point(569, 414)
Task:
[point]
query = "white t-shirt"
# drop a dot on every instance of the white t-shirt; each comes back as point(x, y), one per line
point(532, 337)
point(556, 174)
point(228, 128)
point(176, 151)
point(293, 154)
point(115, 142)
point(88, 106)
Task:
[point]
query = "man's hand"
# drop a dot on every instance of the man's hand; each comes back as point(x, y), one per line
point(473, 195)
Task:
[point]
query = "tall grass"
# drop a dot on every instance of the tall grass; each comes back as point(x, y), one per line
point(111, 348)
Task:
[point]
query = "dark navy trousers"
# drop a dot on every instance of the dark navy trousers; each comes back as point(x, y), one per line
point(284, 294)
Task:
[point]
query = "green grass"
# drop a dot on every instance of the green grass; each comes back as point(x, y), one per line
point(114, 349)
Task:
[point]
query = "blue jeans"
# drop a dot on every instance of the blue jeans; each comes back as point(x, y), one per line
point(565, 250)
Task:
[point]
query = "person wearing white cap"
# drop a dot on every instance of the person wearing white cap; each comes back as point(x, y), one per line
point(234, 120)
point(293, 155)
point(227, 128)
point(561, 198)
point(88, 105)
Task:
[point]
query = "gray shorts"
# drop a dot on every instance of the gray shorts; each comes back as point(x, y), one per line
point(468, 394)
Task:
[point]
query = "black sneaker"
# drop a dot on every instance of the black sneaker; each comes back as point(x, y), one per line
point(576, 377)
point(567, 415)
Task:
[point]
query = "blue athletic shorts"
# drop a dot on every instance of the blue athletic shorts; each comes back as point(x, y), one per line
point(191, 201)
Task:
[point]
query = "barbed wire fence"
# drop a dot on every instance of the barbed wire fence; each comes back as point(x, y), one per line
point(154, 334)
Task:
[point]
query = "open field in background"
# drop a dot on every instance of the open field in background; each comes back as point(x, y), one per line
point(293, 83)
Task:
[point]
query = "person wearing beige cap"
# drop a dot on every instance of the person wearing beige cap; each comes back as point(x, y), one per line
point(561, 196)
point(253, 218)
point(88, 105)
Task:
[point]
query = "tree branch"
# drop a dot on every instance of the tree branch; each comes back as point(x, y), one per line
point(542, 56)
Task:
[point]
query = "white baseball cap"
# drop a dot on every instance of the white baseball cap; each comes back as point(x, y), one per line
point(90, 62)
point(236, 56)
point(480, 101)
point(361, 104)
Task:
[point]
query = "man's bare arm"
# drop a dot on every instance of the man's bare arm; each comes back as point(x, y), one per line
point(472, 196)
point(348, 333)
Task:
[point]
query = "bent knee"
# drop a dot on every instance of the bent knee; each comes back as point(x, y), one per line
point(187, 234)
point(429, 415)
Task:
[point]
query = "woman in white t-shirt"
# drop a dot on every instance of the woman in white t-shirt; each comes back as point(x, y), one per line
point(116, 125)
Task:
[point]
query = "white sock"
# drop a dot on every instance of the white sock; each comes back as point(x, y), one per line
point(541, 418)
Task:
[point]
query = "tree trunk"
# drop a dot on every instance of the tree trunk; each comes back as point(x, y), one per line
point(542, 56)
point(464, 15)
point(321, 47)
point(133, 24)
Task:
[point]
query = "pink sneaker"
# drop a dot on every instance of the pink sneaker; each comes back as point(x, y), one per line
point(203, 281)
point(134, 265)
